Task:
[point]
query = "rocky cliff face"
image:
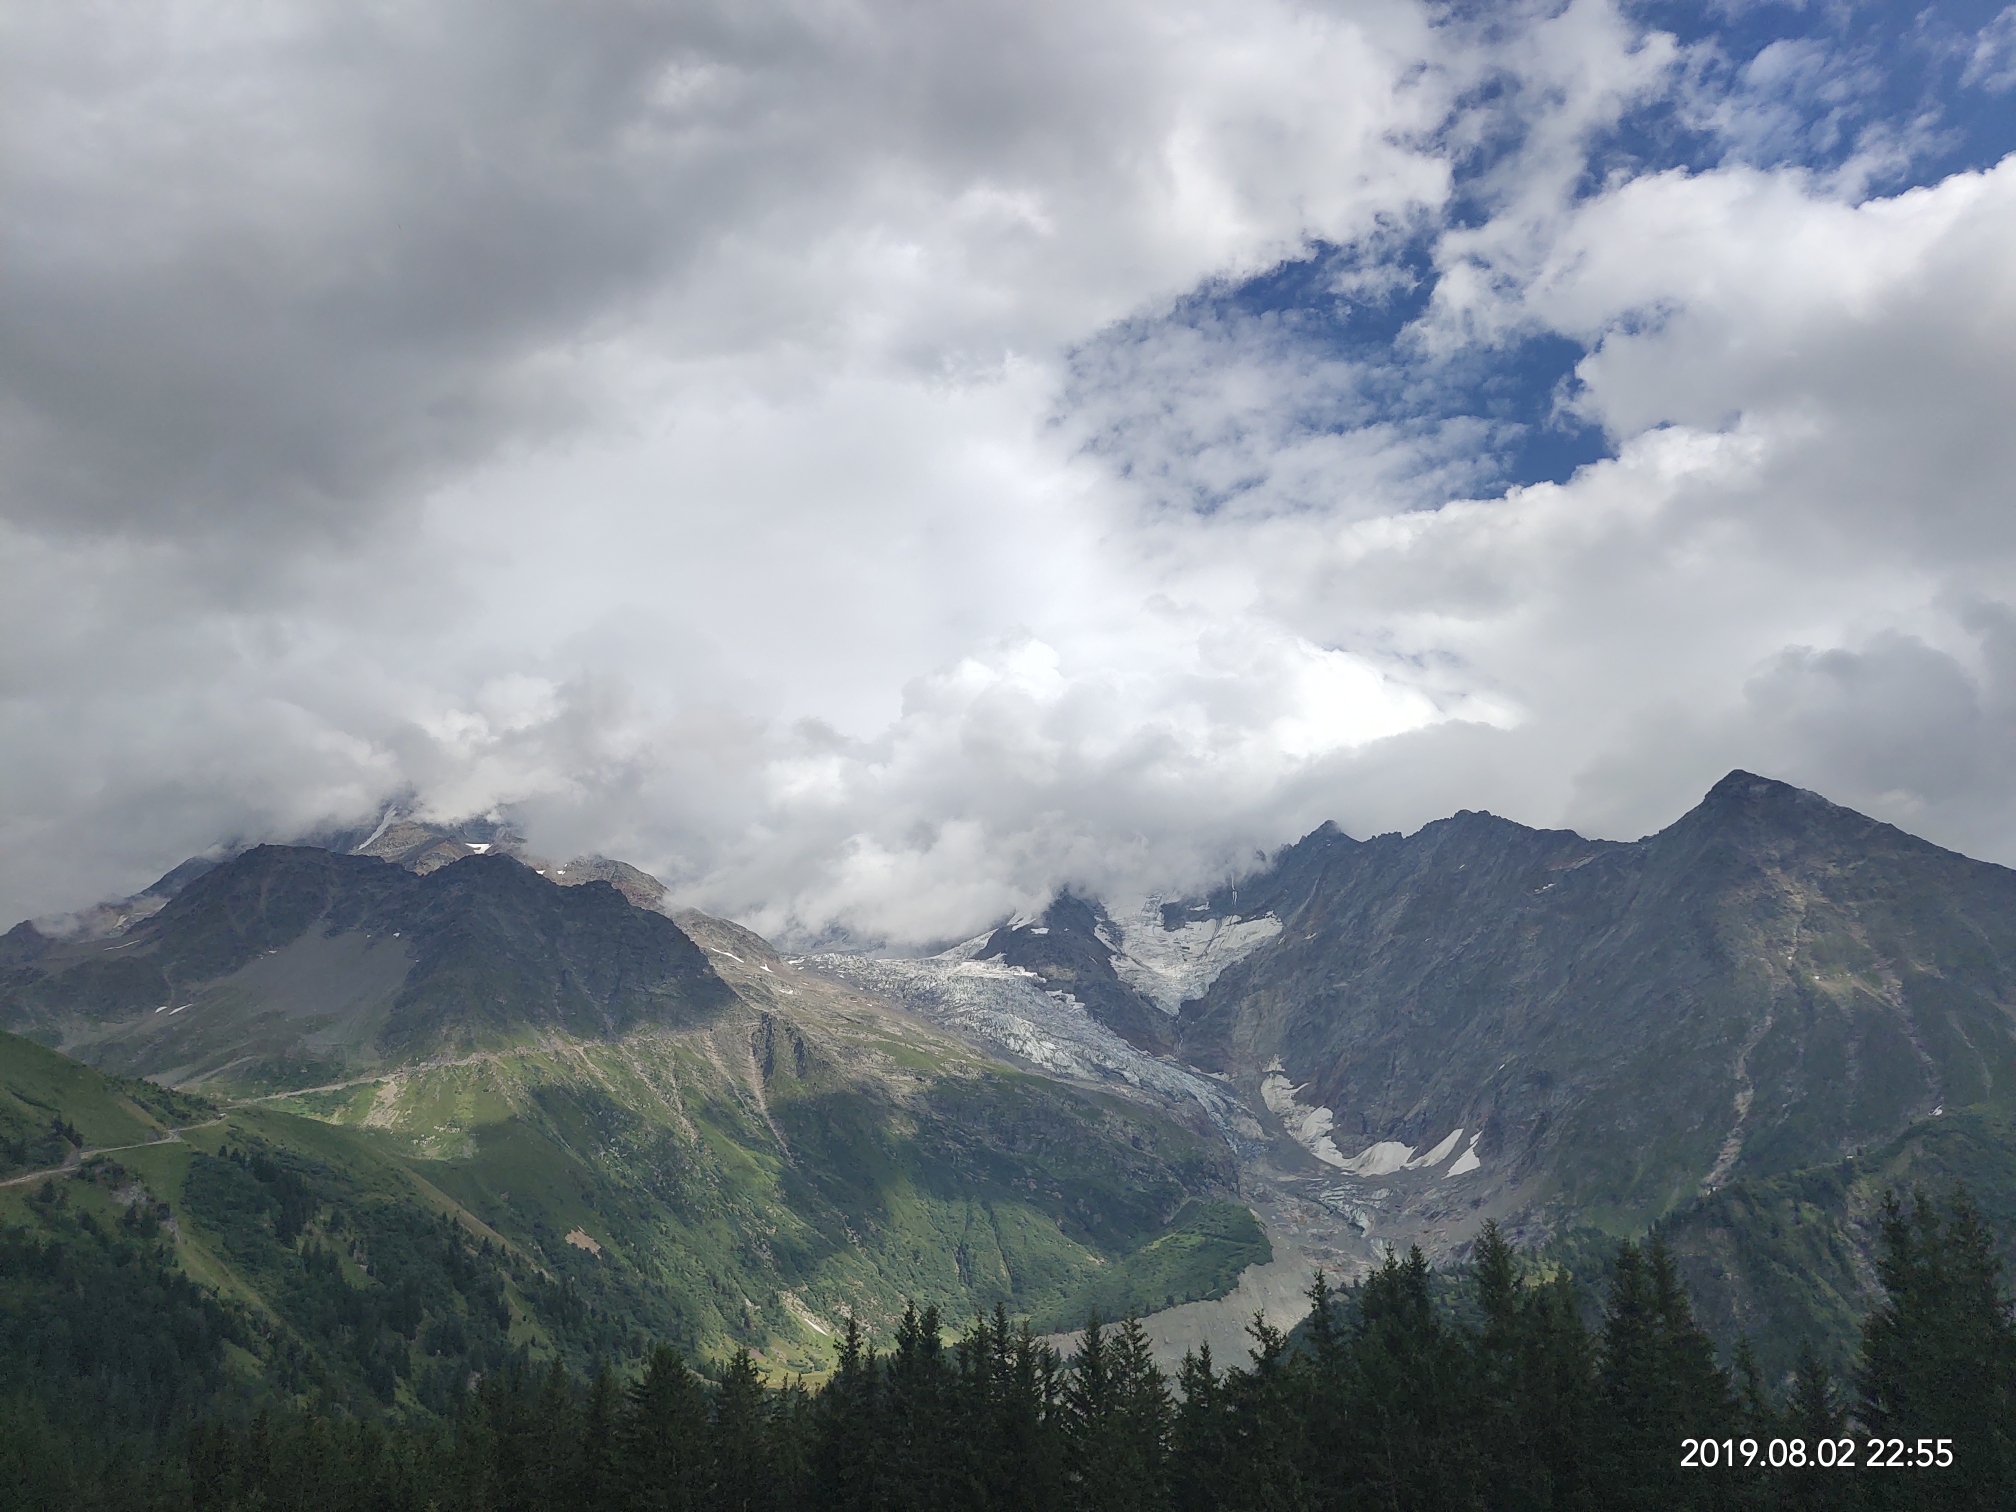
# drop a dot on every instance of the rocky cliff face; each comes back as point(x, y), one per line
point(1072, 950)
point(1486, 1014)
point(1485, 1020)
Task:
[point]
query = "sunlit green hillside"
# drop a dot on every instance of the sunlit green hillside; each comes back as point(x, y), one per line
point(753, 1181)
point(51, 1107)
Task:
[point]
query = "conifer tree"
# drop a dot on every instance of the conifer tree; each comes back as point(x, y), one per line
point(471, 1458)
point(1199, 1447)
point(1502, 1439)
point(1636, 1416)
point(846, 1462)
point(1147, 1412)
point(664, 1438)
point(1028, 1416)
point(1813, 1410)
point(1326, 1377)
point(916, 1414)
point(1534, 1384)
point(1117, 1422)
point(550, 1425)
point(597, 1467)
point(740, 1452)
point(999, 1455)
point(972, 1456)
point(1659, 1384)
point(1557, 1390)
point(1265, 1451)
point(1702, 1392)
point(791, 1429)
point(1409, 1396)
point(1813, 1413)
point(514, 1475)
point(1089, 1402)
point(1753, 1408)
point(1938, 1354)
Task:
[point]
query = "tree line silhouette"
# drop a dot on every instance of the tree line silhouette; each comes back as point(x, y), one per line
point(1384, 1397)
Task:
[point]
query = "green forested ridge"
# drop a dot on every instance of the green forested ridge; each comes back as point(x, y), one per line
point(718, 1165)
point(698, 1223)
point(626, 1190)
point(1788, 1261)
point(121, 1386)
point(1200, 1254)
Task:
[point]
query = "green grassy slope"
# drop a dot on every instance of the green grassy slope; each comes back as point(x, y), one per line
point(1200, 1254)
point(1788, 1260)
point(752, 1181)
point(51, 1107)
point(658, 1184)
point(663, 1135)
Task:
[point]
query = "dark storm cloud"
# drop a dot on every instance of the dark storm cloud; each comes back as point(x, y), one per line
point(260, 280)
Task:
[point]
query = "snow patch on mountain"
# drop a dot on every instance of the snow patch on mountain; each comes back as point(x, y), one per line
point(1310, 1127)
point(1381, 1159)
point(1172, 966)
point(1437, 1155)
point(970, 951)
point(1307, 1126)
point(1467, 1162)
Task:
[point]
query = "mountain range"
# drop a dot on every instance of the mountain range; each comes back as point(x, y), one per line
point(694, 1139)
point(1738, 1030)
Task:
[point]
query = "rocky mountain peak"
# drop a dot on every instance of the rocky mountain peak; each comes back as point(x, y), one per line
point(1743, 801)
point(291, 953)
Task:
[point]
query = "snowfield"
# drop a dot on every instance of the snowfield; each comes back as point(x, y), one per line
point(1005, 1008)
point(1310, 1127)
point(1172, 966)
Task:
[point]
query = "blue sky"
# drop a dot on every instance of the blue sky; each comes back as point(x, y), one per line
point(1890, 97)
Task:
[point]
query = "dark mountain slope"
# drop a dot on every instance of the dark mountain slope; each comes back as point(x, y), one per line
point(1768, 983)
point(496, 940)
point(1296, 872)
point(1790, 1261)
point(298, 952)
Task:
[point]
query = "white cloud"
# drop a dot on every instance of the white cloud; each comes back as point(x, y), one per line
point(1812, 499)
point(1991, 64)
point(758, 443)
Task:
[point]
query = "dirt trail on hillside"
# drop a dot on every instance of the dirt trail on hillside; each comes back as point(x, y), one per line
point(74, 1162)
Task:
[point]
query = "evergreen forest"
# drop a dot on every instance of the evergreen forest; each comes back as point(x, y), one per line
point(1502, 1385)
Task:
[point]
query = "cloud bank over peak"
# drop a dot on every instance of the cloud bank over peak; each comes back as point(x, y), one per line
point(875, 465)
